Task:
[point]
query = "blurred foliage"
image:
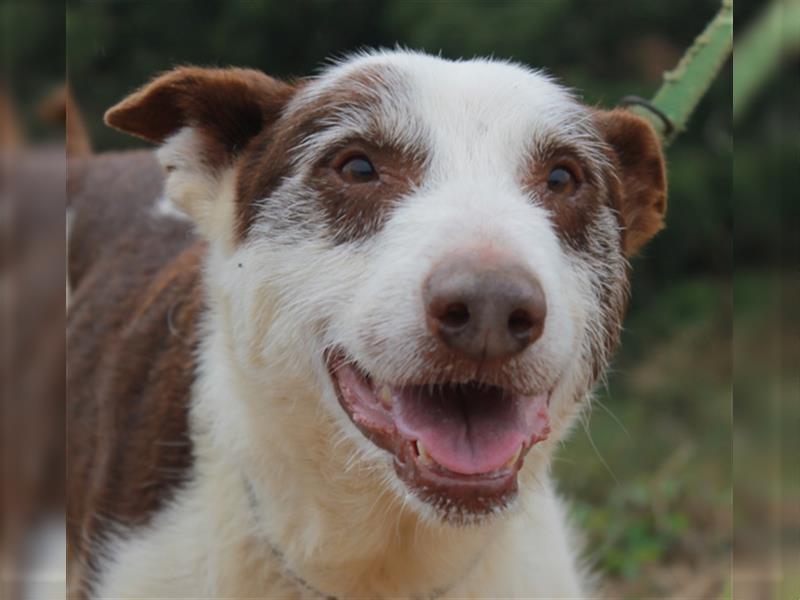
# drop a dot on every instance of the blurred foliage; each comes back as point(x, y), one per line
point(34, 53)
point(653, 470)
point(770, 39)
point(766, 349)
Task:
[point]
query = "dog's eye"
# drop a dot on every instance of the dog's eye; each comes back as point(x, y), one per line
point(561, 181)
point(358, 169)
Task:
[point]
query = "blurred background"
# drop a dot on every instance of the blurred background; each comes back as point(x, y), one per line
point(674, 478)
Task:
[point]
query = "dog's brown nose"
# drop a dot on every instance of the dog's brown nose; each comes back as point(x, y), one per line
point(484, 312)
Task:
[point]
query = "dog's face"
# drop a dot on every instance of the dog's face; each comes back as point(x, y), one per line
point(442, 245)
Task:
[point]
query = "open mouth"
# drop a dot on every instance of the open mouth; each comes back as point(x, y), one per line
point(458, 446)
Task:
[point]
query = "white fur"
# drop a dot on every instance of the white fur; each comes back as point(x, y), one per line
point(264, 413)
point(163, 207)
point(196, 191)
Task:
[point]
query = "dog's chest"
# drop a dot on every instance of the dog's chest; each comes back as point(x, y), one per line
point(205, 545)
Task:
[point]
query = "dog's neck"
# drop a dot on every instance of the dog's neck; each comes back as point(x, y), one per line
point(306, 576)
point(334, 523)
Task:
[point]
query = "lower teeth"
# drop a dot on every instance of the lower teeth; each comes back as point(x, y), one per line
point(513, 460)
point(424, 457)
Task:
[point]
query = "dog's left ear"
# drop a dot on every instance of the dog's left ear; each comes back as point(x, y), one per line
point(642, 175)
point(203, 118)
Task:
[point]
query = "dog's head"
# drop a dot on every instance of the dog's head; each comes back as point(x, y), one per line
point(441, 246)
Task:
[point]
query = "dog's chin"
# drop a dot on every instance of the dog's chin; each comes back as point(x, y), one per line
point(457, 446)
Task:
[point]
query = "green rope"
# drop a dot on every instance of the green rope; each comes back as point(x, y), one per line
point(685, 85)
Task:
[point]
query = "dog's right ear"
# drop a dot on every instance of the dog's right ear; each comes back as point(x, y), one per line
point(226, 108)
point(204, 118)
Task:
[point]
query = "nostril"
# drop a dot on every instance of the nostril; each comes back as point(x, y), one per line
point(454, 316)
point(520, 323)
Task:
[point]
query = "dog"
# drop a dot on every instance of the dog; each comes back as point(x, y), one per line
point(325, 342)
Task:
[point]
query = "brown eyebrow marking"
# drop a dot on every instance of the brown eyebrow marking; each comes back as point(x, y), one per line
point(356, 212)
point(269, 159)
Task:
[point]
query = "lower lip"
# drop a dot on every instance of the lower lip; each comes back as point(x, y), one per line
point(454, 494)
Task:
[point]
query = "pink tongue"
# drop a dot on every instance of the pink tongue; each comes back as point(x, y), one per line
point(470, 430)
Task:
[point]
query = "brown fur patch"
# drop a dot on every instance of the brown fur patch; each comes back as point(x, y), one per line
point(642, 186)
point(355, 211)
point(11, 136)
point(352, 211)
point(32, 428)
point(636, 189)
point(264, 165)
point(571, 211)
point(132, 334)
point(106, 193)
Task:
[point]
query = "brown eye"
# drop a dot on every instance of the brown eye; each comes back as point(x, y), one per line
point(561, 180)
point(358, 169)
